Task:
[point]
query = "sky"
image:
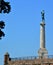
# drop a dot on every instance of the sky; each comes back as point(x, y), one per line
point(22, 28)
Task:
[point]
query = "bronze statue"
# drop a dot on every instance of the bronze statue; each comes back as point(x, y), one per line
point(42, 14)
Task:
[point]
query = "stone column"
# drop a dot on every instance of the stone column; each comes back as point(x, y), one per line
point(42, 35)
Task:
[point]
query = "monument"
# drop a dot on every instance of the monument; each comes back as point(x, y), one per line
point(42, 51)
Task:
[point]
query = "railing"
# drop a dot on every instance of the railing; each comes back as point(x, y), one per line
point(24, 58)
point(32, 57)
point(50, 56)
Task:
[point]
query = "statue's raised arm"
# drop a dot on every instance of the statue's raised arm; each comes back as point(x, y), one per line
point(42, 14)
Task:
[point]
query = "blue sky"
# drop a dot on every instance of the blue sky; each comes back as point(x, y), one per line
point(22, 28)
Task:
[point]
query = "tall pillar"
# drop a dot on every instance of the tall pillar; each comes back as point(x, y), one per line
point(42, 34)
point(42, 52)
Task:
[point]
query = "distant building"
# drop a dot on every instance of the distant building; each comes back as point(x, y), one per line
point(42, 59)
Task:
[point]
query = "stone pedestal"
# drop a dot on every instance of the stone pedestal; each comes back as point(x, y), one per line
point(43, 53)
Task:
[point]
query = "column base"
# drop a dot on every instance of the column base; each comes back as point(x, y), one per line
point(43, 53)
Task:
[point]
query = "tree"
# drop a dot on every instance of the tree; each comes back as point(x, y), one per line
point(2, 25)
point(4, 7)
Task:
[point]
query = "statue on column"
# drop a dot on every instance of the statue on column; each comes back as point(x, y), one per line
point(4, 7)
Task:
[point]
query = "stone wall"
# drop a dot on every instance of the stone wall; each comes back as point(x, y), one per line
point(31, 62)
point(28, 60)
